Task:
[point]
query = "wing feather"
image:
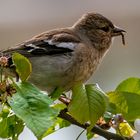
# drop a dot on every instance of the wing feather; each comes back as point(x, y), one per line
point(50, 44)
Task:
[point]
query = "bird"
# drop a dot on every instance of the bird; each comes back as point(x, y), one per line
point(66, 56)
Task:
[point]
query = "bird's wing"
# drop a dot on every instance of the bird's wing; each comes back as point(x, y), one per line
point(51, 43)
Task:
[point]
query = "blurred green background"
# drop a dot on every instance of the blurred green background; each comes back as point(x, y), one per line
point(22, 19)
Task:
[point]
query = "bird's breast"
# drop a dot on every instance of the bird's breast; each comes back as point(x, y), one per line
point(86, 63)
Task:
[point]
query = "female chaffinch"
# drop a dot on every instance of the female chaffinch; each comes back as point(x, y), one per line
point(64, 57)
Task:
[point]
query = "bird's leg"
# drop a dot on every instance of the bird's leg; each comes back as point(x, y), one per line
point(64, 99)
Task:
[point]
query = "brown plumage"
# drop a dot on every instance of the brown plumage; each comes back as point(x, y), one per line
point(63, 57)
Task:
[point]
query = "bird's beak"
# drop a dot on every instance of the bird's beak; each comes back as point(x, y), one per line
point(117, 32)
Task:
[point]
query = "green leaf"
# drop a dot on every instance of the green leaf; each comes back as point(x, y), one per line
point(126, 103)
point(125, 130)
point(126, 99)
point(4, 129)
point(59, 106)
point(129, 85)
point(56, 93)
point(59, 124)
point(34, 108)
point(90, 135)
point(23, 66)
point(88, 103)
point(11, 126)
point(5, 111)
point(107, 116)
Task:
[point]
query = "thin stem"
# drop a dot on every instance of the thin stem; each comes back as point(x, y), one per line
point(80, 134)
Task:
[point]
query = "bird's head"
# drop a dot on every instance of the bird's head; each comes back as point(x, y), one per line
point(98, 29)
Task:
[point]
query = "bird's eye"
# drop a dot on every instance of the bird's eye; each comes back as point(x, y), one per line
point(105, 28)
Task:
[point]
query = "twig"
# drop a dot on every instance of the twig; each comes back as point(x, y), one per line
point(96, 129)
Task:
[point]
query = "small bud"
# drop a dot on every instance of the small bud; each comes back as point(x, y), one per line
point(3, 61)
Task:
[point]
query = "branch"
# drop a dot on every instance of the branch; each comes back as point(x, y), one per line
point(96, 129)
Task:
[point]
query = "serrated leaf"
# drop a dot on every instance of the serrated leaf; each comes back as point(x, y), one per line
point(88, 103)
point(23, 66)
point(125, 99)
point(34, 108)
point(129, 85)
point(126, 103)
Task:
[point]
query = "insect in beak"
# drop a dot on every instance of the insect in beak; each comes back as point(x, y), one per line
point(119, 32)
